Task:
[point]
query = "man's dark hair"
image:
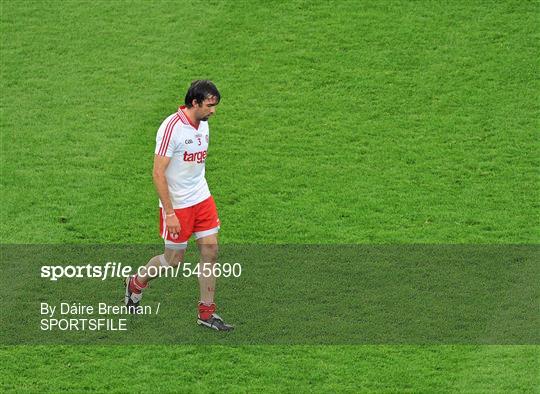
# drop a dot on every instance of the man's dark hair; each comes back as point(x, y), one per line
point(200, 90)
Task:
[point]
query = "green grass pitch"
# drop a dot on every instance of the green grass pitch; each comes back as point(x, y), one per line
point(345, 122)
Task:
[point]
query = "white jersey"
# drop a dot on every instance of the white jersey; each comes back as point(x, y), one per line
point(187, 147)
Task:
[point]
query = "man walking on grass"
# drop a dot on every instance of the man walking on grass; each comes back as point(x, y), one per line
point(186, 205)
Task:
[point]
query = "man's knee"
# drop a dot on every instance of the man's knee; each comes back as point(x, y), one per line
point(171, 258)
point(209, 252)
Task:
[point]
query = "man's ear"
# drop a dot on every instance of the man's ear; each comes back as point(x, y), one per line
point(194, 103)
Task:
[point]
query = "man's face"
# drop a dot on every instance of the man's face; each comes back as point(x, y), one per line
point(206, 109)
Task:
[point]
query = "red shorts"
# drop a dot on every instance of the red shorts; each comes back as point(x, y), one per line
point(200, 219)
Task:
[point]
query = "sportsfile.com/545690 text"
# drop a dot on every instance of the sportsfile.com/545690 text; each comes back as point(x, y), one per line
point(118, 270)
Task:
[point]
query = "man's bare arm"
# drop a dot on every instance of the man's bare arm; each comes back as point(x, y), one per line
point(160, 181)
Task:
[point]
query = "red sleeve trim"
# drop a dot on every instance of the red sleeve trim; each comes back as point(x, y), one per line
point(167, 136)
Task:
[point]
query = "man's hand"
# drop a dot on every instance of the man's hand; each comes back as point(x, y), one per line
point(173, 225)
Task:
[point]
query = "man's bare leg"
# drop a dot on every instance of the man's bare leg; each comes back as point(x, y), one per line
point(137, 283)
point(171, 257)
point(208, 248)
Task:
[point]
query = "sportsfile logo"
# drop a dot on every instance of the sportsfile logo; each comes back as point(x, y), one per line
point(119, 270)
point(198, 157)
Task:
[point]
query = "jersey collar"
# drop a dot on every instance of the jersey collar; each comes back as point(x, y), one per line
point(184, 118)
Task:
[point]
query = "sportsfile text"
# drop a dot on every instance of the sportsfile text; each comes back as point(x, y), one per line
point(118, 270)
